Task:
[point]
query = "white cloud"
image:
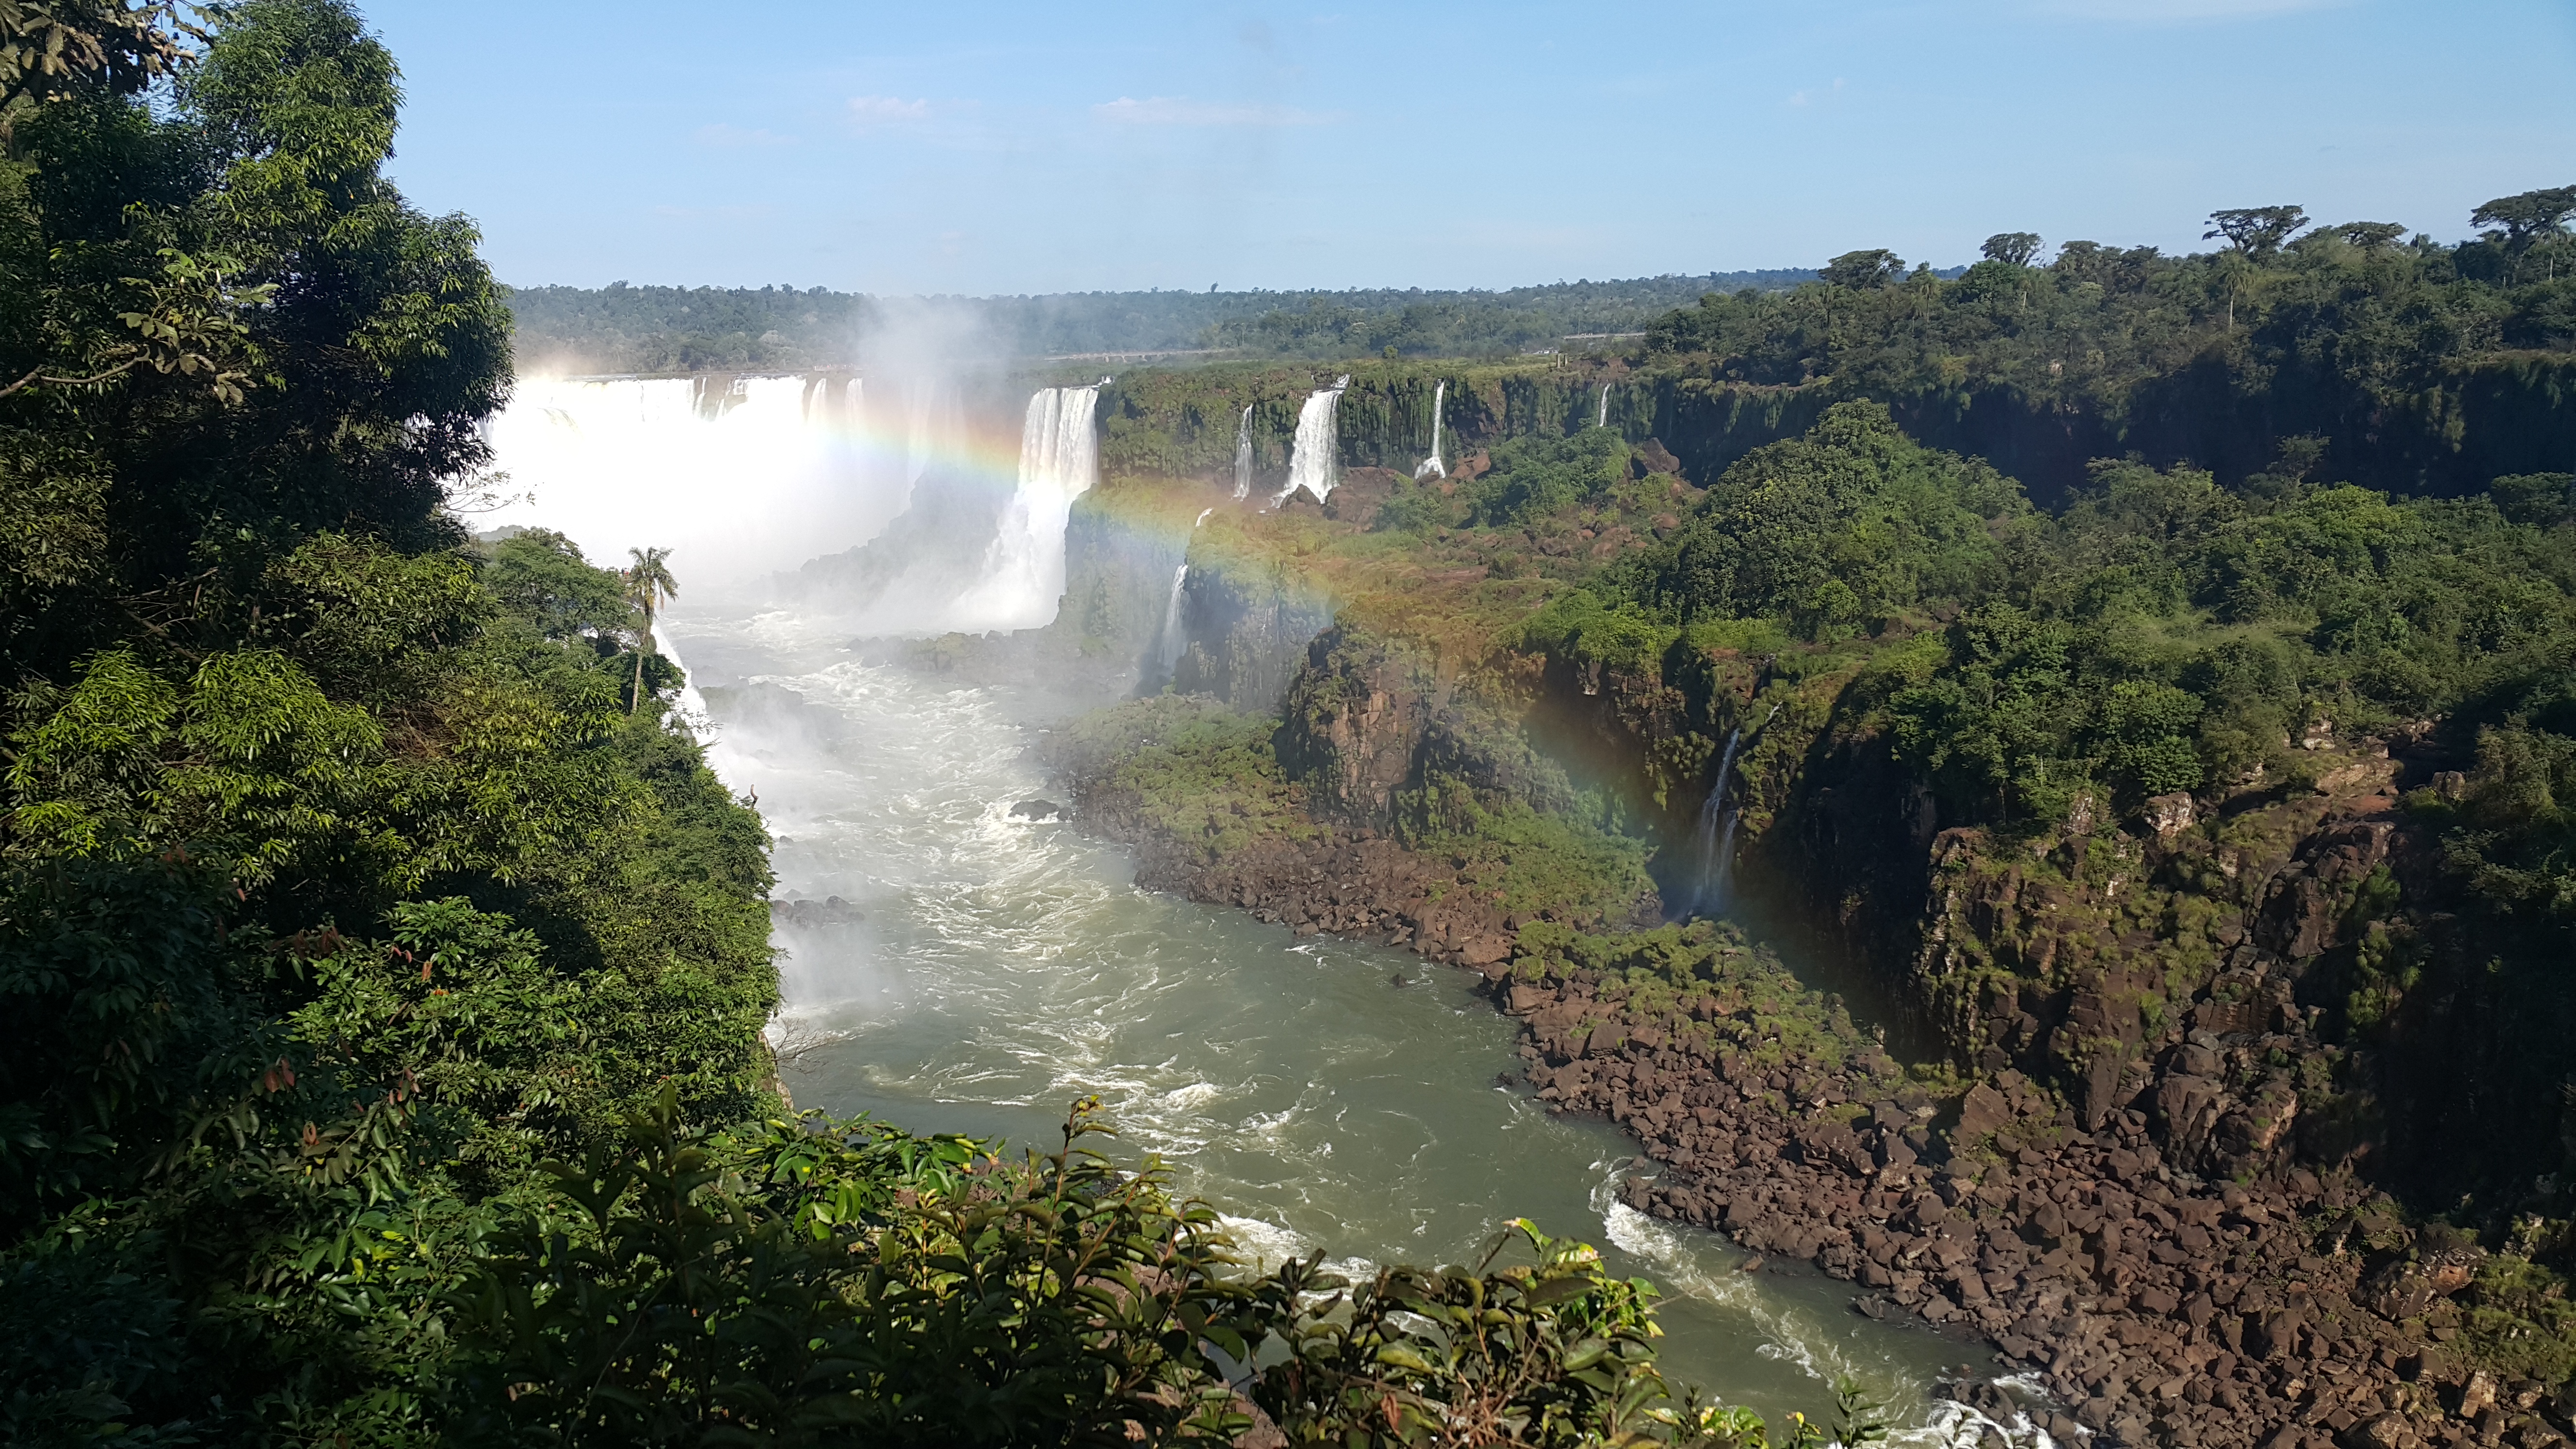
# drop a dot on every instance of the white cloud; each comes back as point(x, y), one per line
point(884, 110)
point(732, 138)
point(2153, 12)
point(1181, 111)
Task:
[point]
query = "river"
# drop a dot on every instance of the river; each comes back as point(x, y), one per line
point(1326, 1096)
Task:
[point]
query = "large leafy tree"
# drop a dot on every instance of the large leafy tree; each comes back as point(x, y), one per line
point(312, 811)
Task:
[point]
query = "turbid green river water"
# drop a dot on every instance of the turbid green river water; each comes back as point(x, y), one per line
point(1004, 968)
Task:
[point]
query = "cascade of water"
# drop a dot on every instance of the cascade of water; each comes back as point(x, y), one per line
point(1243, 454)
point(1432, 467)
point(1604, 420)
point(1170, 646)
point(1202, 518)
point(694, 717)
point(1716, 830)
point(1312, 464)
point(1023, 576)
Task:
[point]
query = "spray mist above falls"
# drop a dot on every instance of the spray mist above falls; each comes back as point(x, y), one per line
point(893, 504)
point(736, 475)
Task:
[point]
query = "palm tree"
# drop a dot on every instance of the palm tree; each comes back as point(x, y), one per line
point(648, 584)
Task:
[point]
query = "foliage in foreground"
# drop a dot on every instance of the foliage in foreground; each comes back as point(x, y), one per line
point(816, 1282)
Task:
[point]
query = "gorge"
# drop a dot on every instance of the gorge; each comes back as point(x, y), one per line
point(2060, 1091)
point(694, 865)
point(1989, 1199)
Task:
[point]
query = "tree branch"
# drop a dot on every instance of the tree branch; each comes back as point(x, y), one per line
point(37, 375)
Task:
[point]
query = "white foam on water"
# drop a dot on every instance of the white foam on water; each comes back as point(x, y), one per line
point(1264, 1243)
point(1003, 971)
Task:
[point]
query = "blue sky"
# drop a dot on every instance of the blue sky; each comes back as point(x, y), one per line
point(981, 148)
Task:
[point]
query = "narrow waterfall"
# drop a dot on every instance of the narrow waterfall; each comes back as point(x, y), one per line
point(1243, 454)
point(1604, 420)
point(1432, 467)
point(1313, 463)
point(1716, 831)
point(694, 717)
point(1023, 575)
point(1170, 645)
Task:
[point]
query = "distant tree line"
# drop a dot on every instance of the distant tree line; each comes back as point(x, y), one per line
point(621, 328)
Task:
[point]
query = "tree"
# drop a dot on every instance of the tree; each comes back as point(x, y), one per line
point(2256, 232)
point(2370, 236)
point(2528, 218)
point(1875, 267)
point(2013, 247)
point(648, 584)
point(47, 50)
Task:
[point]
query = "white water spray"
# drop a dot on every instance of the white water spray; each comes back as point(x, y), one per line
point(1023, 575)
point(1312, 460)
point(1243, 454)
point(1432, 467)
point(1604, 420)
point(762, 472)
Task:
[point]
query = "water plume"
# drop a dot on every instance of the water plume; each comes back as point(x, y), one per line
point(1432, 467)
point(1313, 456)
point(1023, 575)
point(1170, 644)
point(1243, 454)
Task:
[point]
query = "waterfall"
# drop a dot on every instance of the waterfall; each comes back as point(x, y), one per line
point(1243, 454)
point(1202, 518)
point(1604, 420)
point(1312, 464)
point(1171, 645)
point(693, 716)
point(1432, 467)
point(625, 463)
point(1716, 832)
point(1022, 580)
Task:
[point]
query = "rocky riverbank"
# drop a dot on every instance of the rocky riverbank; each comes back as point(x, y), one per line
point(2290, 1310)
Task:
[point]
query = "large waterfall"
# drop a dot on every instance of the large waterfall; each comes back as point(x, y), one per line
point(731, 475)
point(1312, 456)
point(1603, 421)
point(1432, 467)
point(1023, 577)
point(1243, 454)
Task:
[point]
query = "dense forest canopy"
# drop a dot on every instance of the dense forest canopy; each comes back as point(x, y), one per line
point(620, 328)
point(2380, 358)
